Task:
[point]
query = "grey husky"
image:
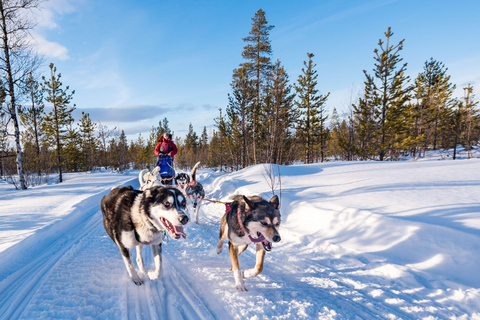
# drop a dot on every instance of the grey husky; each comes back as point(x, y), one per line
point(249, 220)
point(192, 189)
point(133, 218)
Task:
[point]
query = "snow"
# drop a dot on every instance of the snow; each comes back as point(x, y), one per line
point(360, 240)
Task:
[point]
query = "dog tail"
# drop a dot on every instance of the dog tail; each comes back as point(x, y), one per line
point(140, 177)
point(194, 171)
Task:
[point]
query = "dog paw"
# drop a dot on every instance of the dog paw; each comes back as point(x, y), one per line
point(137, 281)
point(241, 287)
point(249, 273)
point(153, 275)
point(219, 250)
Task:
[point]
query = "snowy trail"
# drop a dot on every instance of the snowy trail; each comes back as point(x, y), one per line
point(78, 272)
point(411, 253)
point(57, 271)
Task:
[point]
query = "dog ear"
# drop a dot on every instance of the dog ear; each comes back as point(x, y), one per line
point(248, 204)
point(274, 202)
point(242, 212)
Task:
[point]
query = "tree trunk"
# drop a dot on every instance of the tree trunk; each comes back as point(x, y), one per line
point(13, 113)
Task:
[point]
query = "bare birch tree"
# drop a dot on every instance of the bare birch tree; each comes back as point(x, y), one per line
point(16, 59)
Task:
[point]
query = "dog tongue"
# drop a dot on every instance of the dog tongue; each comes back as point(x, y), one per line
point(179, 232)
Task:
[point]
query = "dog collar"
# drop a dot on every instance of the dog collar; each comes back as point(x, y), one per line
point(254, 240)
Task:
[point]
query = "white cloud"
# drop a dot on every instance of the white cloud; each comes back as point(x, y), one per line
point(46, 18)
point(48, 48)
point(52, 8)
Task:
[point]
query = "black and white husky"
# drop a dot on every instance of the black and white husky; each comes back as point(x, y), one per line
point(192, 189)
point(133, 218)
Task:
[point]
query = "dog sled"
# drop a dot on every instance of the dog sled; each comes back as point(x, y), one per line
point(166, 171)
point(163, 173)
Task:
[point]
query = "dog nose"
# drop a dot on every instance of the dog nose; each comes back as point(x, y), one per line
point(184, 220)
point(276, 238)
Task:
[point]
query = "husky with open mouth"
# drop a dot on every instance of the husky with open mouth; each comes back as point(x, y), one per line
point(133, 218)
point(249, 220)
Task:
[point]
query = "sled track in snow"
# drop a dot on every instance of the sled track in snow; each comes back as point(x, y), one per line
point(169, 297)
point(18, 288)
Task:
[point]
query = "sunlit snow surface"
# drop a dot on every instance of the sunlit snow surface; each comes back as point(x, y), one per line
point(360, 240)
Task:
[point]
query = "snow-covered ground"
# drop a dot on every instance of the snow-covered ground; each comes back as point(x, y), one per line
point(360, 240)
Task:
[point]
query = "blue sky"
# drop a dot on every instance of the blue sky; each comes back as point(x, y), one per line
point(132, 63)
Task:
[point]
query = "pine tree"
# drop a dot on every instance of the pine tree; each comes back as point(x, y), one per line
point(391, 94)
point(122, 151)
point(365, 121)
point(191, 147)
point(72, 150)
point(222, 134)
point(56, 122)
point(311, 106)
point(241, 105)
point(31, 119)
point(89, 142)
point(434, 95)
point(280, 119)
point(139, 153)
point(471, 117)
point(257, 52)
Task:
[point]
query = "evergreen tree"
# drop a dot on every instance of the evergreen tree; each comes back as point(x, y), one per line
point(470, 116)
point(72, 151)
point(257, 52)
point(434, 95)
point(365, 120)
point(391, 94)
point(139, 153)
point(31, 119)
point(281, 116)
point(311, 106)
point(122, 151)
point(56, 122)
point(222, 133)
point(191, 146)
point(89, 142)
point(240, 108)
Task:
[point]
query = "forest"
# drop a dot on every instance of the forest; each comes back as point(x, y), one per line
point(269, 117)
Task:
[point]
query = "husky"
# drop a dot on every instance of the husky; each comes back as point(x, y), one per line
point(134, 218)
point(249, 220)
point(149, 179)
point(192, 189)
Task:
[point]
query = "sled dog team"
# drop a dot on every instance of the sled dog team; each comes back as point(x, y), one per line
point(134, 218)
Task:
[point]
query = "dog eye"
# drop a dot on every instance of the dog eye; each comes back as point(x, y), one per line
point(263, 223)
point(167, 204)
point(277, 224)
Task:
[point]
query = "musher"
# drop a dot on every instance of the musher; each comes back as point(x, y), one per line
point(166, 151)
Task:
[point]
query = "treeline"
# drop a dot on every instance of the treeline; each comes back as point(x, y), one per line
point(268, 118)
